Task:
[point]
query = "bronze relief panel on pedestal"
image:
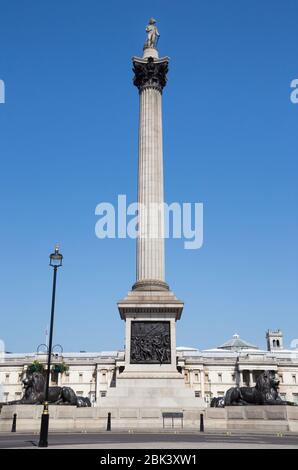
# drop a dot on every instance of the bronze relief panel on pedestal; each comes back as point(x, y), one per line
point(150, 342)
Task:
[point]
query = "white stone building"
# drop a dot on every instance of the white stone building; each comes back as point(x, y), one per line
point(209, 373)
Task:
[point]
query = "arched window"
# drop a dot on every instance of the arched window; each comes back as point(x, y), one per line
point(277, 343)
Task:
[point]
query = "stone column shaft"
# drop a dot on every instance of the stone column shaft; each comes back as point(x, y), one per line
point(150, 243)
point(150, 78)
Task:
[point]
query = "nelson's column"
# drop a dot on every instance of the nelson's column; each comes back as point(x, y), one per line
point(148, 376)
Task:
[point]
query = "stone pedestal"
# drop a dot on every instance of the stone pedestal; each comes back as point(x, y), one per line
point(267, 418)
point(72, 419)
point(144, 416)
point(161, 309)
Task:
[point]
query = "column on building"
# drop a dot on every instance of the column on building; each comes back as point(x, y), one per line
point(97, 380)
point(202, 378)
point(251, 380)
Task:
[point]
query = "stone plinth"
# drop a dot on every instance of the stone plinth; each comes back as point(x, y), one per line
point(270, 418)
point(68, 418)
point(166, 392)
point(150, 52)
point(72, 419)
point(151, 306)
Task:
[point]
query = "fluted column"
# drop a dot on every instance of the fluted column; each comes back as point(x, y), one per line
point(202, 379)
point(150, 78)
point(251, 380)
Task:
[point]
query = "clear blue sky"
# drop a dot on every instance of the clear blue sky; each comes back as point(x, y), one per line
point(68, 140)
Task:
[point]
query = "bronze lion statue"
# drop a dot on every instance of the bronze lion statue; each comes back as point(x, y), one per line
point(264, 393)
point(35, 384)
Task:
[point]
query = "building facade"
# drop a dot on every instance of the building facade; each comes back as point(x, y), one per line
point(208, 373)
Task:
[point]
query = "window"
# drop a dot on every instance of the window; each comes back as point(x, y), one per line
point(81, 378)
point(6, 378)
point(208, 397)
point(206, 377)
point(54, 378)
point(219, 377)
point(233, 377)
point(197, 394)
point(103, 377)
point(245, 377)
point(220, 394)
point(6, 394)
point(294, 380)
point(196, 377)
point(103, 393)
point(186, 377)
point(281, 378)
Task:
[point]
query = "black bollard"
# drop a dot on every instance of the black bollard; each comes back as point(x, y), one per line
point(109, 422)
point(14, 423)
point(201, 422)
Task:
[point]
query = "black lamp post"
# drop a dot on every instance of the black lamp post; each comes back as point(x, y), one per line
point(55, 262)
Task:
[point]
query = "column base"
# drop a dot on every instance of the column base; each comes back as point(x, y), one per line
point(150, 285)
point(150, 298)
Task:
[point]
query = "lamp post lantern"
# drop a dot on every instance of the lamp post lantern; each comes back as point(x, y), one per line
point(55, 262)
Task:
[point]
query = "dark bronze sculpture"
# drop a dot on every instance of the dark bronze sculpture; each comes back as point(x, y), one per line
point(150, 342)
point(150, 73)
point(34, 394)
point(217, 402)
point(264, 393)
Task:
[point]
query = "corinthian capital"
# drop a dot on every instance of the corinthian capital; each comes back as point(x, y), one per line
point(150, 73)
